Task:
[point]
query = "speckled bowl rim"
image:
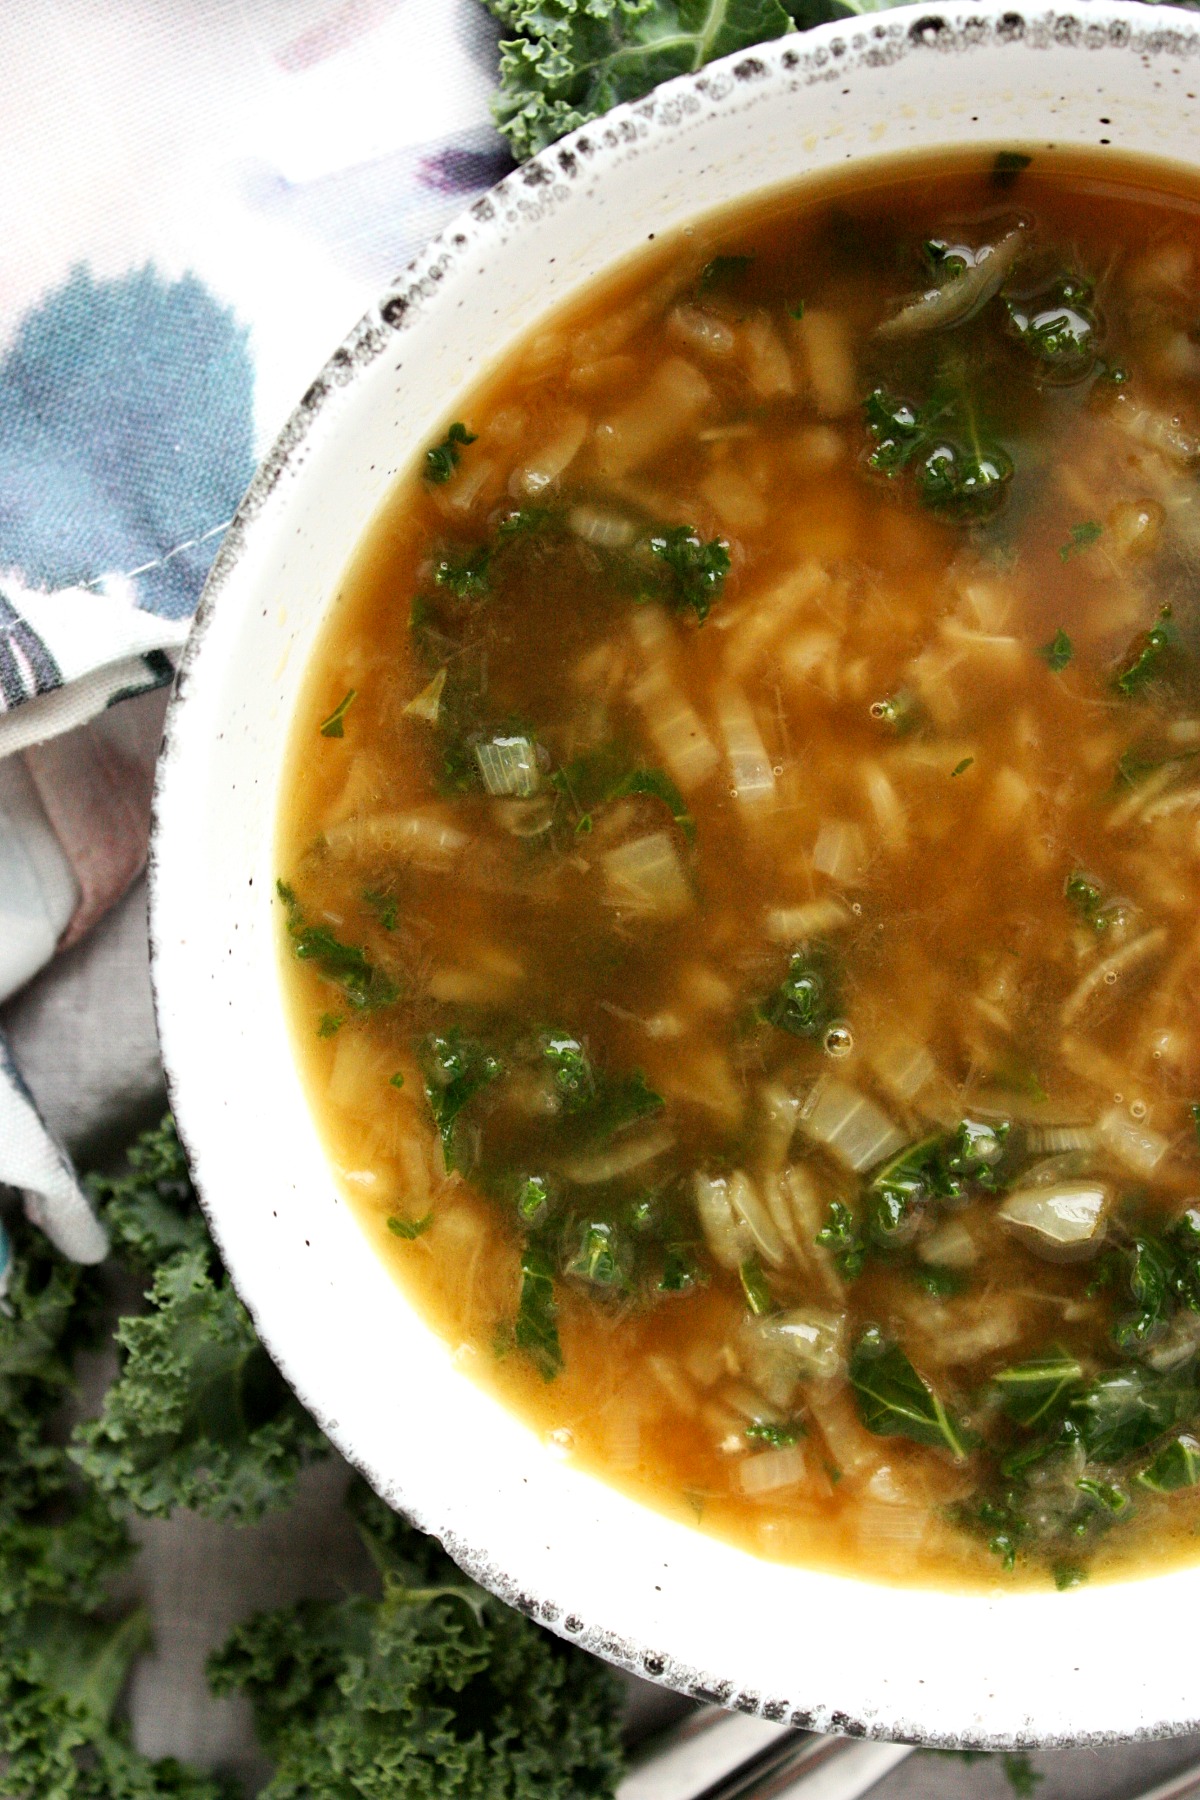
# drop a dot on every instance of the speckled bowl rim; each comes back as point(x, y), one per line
point(1154, 36)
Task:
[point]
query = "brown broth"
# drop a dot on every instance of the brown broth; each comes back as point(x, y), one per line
point(885, 775)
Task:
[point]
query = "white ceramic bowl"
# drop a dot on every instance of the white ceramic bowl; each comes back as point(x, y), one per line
point(659, 1598)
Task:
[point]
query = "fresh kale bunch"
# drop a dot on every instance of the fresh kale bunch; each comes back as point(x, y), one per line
point(569, 60)
point(65, 1648)
point(432, 1691)
point(199, 1416)
point(62, 1675)
point(428, 1687)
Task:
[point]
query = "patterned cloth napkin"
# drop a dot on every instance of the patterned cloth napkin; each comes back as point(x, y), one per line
point(197, 204)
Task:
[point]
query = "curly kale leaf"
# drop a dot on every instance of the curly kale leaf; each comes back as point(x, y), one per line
point(150, 1208)
point(50, 1312)
point(434, 1691)
point(198, 1416)
point(64, 1657)
point(61, 1549)
point(61, 1676)
point(568, 60)
point(58, 1545)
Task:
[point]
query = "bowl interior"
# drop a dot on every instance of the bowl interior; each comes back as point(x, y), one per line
point(988, 1670)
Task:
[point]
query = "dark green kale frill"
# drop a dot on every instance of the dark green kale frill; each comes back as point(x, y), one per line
point(431, 1691)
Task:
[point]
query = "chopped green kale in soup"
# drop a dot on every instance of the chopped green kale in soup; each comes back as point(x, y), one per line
point(740, 872)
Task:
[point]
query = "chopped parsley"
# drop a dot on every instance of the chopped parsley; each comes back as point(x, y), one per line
point(409, 1228)
point(1008, 165)
point(573, 1077)
point(962, 767)
point(466, 576)
point(1058, 652)
point(442, 460)
point(776, 1437)
point(841, 1237)
point(533, 1199)
point(696, 570)
point(347, 966)
point(1086, 898)
point(1081, 537)
point(680, 1271)
point(334, 725)
point(535, 1329)
point(901, 710)
point(1143, 662)
point(602, 776)
point(658, 785)
point(1059, 329)
point(383, 905)
point(956, 470)
point(599, 1258)
point(804, 1002)
point(456, 1068)
point(754, 1285)
point(938, 1281)
point(722, 271)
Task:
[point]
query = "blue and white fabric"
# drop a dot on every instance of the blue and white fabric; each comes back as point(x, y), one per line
point(197, 203)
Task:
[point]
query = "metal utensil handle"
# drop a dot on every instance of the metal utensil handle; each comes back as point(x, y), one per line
point(698, 1751)
point(844, 1769)
point(814, 1768)
point(1181, 1786)
point(717, 1755)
